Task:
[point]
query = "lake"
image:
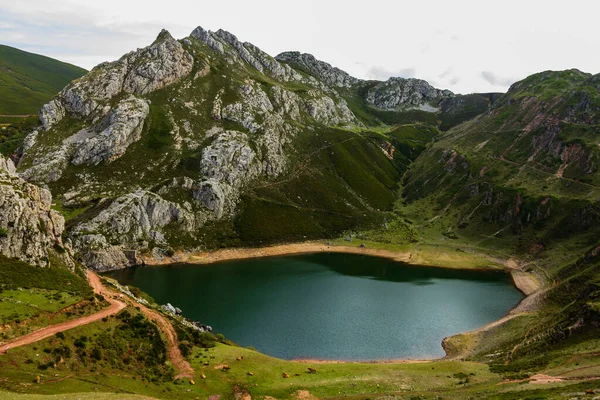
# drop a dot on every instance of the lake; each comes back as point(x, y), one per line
point(331, 306)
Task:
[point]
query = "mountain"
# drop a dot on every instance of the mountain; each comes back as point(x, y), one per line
point(528, 167)
point(210, 142)
point(27, 80)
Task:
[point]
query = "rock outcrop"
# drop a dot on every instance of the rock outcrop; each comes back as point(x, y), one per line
point(131, 222)
point(28, 226)
point(321, 70)
point(140, 72)
point(110, 139)
point(228, 45)
point(111, 127)
point(407, 94)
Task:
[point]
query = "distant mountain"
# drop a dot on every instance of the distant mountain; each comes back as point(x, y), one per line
point(27, 80)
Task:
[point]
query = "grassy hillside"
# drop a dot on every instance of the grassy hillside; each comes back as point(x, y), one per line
point(13, 131)
point(521, 181)
point(27, 80)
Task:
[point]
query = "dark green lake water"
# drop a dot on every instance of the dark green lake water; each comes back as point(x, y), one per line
point(331, 306)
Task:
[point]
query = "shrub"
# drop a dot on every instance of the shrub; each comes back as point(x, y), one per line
point(81, 342)
point(186, 348)
point(96, 354)
point(3, 232)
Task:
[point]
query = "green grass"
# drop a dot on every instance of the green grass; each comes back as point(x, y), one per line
point(71, 396)
point(13, 132)
point(449, 379)
point(27, 80)
point(342, 180)
point(18, 274)
point(24, 304)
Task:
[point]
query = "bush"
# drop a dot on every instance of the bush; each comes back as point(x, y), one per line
point(159, 133)
point(96, 354)
point(185, 348)
point(3, 232)
point(62, 351)
point(60, 335)
point(135, 291)
point(81, 342)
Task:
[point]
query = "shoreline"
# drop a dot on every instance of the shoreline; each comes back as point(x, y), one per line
point(525, 282)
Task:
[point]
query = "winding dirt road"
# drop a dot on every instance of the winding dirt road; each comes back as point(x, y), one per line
point(115, 307)
point(115, 299)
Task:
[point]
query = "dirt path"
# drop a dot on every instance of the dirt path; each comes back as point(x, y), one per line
point(115, 307)
point(180, 364)
point(116, 304)
point(184, 369)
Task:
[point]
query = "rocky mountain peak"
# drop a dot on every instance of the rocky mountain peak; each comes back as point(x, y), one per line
point(164, 35)
point(319, 69)
point(140, 72)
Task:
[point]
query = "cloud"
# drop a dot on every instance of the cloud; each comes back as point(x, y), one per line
point(72, 37)
point(381, 73)
point(447, 78)
point(448, 71)
point(496, 80)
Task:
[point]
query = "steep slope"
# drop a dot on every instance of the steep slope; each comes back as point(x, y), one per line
point(29, 80)
point(529, 167)
point(522, 180)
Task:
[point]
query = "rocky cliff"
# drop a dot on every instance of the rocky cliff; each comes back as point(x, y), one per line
point(321, 70)
point(29, 229)
point(407, 94)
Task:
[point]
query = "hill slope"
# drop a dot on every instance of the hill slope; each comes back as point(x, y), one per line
point(27, 80)
point(522, 181)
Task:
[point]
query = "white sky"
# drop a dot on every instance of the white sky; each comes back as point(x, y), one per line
point(462, 45)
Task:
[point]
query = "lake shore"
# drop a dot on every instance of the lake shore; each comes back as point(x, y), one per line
point(430, 257)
